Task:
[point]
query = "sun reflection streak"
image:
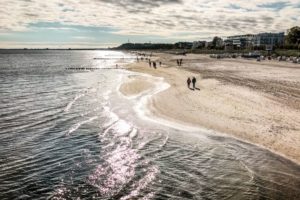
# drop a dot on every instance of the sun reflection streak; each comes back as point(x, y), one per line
point(120, 162)
point(143, 183)
point(118, 170)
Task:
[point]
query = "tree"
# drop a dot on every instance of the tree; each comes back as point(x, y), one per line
point(293, 36)
point(217, 42)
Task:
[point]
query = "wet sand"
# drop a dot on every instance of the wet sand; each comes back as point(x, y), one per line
point(135, 85)
point(258, 102)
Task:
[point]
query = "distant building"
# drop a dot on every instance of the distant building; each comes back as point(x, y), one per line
point(242, 41)
point(228, 45)
point(228, 42)
point(258, 40)
point(270, 39)
point(184, 45)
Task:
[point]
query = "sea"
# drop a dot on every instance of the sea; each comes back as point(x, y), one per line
point(66, 132)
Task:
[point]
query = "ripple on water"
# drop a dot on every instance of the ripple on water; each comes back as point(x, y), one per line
point(62, 138)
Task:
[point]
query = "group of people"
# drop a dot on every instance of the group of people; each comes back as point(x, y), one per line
point(179, 62)
point(193, 81)
point(143, 56)
point(153, 63)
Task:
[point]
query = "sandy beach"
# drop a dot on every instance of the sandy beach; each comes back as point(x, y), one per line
point(257, 102)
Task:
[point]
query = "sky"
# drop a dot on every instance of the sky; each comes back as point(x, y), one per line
point(109, 23)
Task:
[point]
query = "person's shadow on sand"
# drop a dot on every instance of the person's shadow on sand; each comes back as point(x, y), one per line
point(194, 88)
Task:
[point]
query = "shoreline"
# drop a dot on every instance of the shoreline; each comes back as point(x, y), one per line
point(212, 109)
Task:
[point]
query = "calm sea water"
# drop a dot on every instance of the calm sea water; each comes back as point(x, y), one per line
point(69, 134)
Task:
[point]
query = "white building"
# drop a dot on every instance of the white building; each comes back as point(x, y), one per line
point(242, 40)
point(271, 39)
point(261, 39)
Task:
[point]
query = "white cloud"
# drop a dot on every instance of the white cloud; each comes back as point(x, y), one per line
point(165, 18)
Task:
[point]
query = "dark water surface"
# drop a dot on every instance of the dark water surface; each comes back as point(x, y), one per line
point(67, 134)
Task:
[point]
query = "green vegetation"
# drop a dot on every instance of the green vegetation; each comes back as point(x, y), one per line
point(293, 36)
point(284, 52)
point(144, 46)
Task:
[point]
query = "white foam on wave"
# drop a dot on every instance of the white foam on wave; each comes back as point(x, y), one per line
point(251, 173)
point(133, 133)
point(122, 127)
point(165, 141)
point(76, 126)
point(68, 107)
point(111, 117)
point(119, 127)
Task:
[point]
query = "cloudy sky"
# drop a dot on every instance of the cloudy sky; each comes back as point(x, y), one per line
point(108, 23)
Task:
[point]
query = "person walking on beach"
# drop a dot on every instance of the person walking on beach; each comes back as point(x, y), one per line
point(149, 63)
point(194, 80)
point(188, 81)
point(177, 62)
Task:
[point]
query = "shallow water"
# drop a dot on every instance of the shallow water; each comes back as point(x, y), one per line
point(68, 134)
